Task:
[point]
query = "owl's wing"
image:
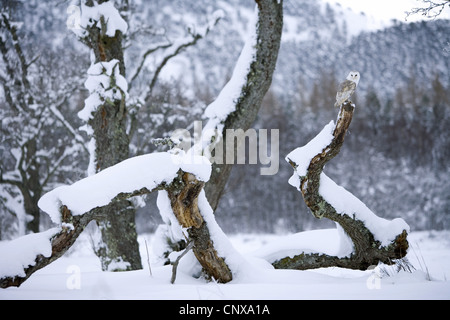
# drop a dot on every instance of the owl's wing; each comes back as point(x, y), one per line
point(346, 89)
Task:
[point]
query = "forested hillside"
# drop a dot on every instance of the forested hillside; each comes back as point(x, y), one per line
point(395, 157)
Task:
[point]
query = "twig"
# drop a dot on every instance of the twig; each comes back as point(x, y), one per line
point(148, 258)
point(424, 268)
point(175, 264)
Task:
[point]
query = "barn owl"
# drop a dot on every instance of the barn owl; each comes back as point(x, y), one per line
point(347, 88)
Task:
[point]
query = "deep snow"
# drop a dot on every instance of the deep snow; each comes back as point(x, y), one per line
point(78, 275)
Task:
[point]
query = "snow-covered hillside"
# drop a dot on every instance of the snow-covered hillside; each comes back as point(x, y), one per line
point(78, 275)
point(317, 37)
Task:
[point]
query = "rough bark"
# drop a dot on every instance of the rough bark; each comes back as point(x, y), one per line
point(367, 250)
point(259, 78)
point(112, 147)
point(184, 201)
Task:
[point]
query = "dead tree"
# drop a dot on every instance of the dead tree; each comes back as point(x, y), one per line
point(367, 249)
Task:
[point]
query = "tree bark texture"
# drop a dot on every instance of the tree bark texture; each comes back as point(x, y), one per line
point(184, 202)
point(118, 228)
point(259, 78)
point(367, 250)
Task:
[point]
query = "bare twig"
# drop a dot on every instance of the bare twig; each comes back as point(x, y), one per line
point(433, 10)
point(141, 64)
point(148, 258)
point(177, 261)
point(166, 59)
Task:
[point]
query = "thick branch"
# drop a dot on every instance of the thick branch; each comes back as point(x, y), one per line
point(183, 192)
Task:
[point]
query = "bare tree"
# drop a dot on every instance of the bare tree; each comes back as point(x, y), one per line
point(432, 9)
point(37, 139)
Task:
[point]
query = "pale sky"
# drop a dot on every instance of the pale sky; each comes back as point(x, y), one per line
point(388, 9)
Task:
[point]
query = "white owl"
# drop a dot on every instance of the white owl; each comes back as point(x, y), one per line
point(347, 88)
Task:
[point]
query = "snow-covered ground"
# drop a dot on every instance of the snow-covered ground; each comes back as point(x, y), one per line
point(77, 275)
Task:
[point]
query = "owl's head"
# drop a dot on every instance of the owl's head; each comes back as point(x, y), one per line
point(354, 76)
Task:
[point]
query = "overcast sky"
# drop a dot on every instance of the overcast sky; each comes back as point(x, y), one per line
point(387, 9)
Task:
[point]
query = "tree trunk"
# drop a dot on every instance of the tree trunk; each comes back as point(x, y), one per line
point(112, 147)
point(30, 187)
point(259, 78)
point(367, 250)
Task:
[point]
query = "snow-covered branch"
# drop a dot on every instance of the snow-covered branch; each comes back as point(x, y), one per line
point(237, 105)
point(366, 239)
point(73, 207)
point(105, 85)
point(103, 16)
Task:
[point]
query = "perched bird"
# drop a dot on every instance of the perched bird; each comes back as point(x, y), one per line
point(347, 88)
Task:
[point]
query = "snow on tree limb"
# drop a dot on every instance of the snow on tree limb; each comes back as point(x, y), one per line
point(104, 13)
point(147, 171)
point(366, 237)
point(225, 103)
point(302, 156)
point(74, 206)
point(105, 84)
point(20, 253)
point(239, 102)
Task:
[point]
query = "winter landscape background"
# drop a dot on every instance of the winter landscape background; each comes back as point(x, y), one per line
point(395, 157)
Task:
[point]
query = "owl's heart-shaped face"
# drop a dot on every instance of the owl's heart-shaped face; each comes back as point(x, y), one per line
point(353, 76)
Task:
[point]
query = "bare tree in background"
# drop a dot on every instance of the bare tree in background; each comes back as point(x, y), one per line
point(38, 141)
point(432, 9)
